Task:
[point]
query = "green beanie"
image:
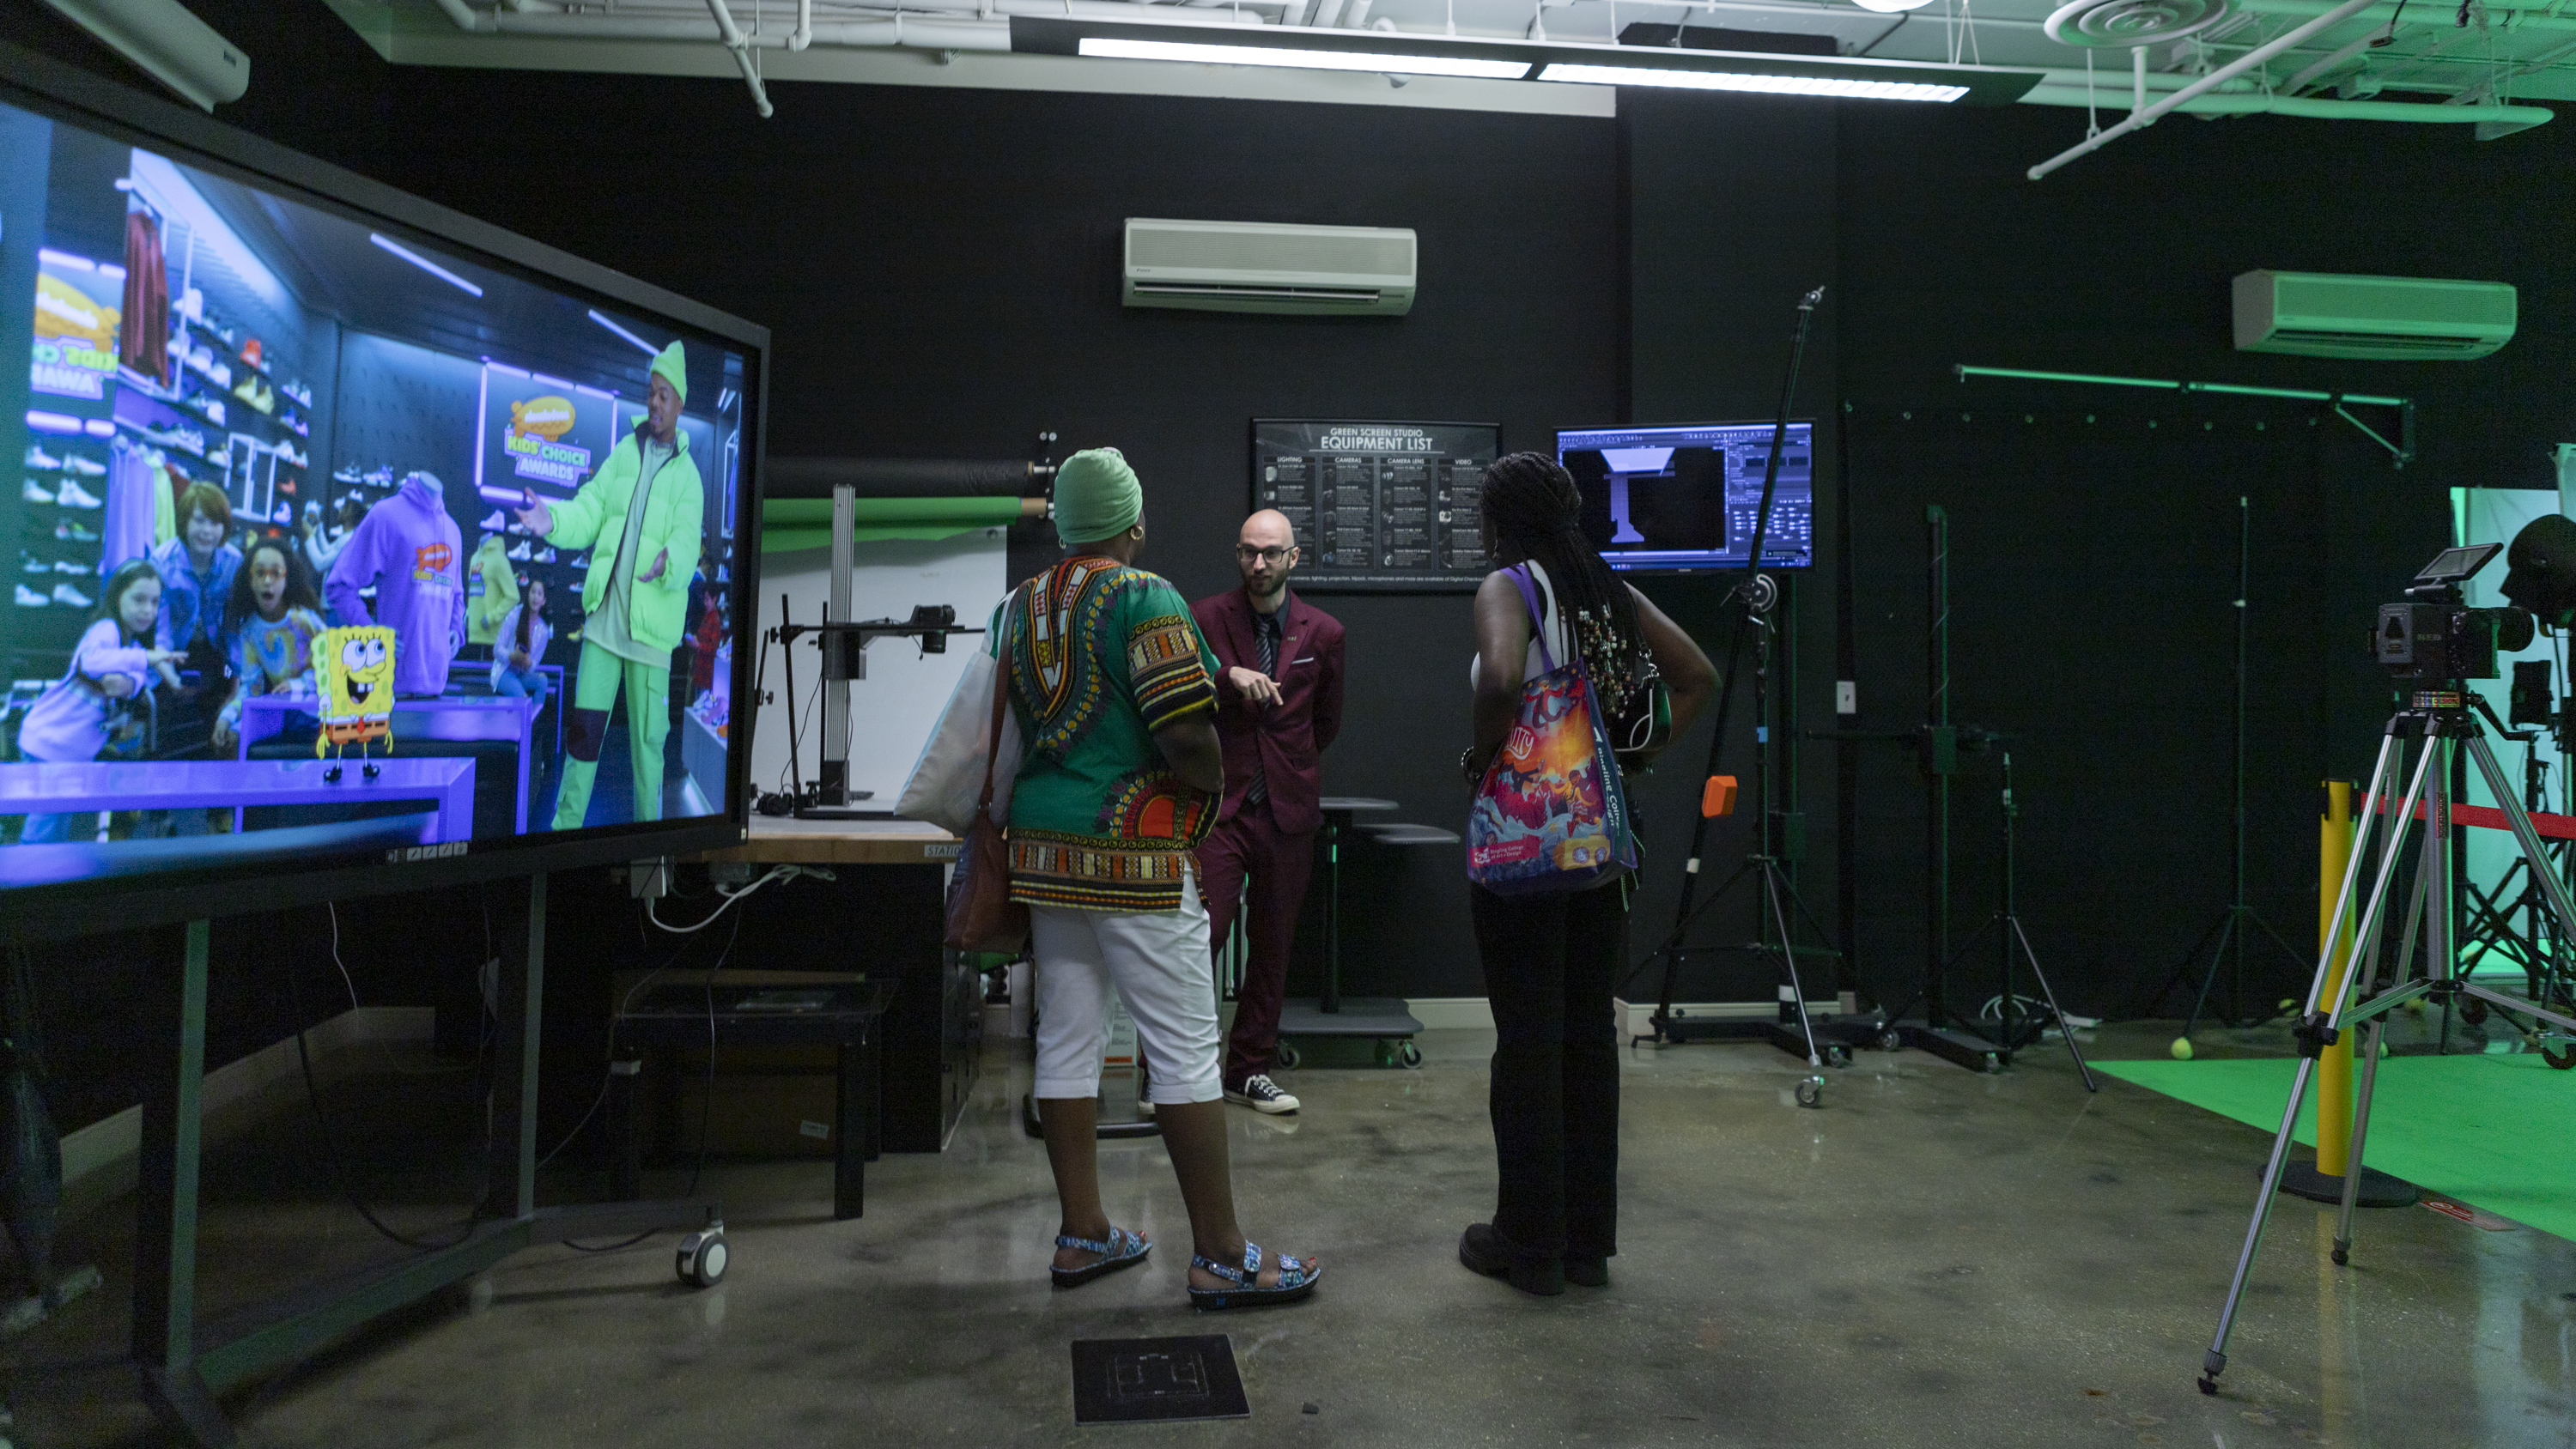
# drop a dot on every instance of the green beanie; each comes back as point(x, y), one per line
point(1096, 496)
point(672, 366)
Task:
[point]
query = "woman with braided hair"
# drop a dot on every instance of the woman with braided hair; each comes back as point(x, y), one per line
point(1550, 960)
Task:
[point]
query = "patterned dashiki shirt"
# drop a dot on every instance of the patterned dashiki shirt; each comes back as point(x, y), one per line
point(1100, 656)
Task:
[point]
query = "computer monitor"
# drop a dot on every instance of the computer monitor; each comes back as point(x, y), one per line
point(355, 544)
point(1684, 498)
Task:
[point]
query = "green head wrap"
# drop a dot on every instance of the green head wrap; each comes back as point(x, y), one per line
point(1096, 496)
point(672, 366)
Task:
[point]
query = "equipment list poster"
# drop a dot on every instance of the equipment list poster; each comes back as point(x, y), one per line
point(1379, 506)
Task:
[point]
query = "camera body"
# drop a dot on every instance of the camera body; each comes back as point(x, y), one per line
point(2427, 642)
point(2434, 637)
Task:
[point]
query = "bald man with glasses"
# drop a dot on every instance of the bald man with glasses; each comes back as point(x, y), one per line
point(1279, 706)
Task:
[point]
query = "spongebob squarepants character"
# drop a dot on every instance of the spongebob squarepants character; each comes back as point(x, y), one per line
point(355, 670)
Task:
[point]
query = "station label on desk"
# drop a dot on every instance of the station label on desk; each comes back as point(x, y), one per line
point(947, 851)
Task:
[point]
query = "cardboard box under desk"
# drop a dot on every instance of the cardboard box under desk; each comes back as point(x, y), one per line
point(768, 1102)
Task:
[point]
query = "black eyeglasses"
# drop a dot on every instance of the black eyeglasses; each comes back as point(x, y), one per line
point(1265, 555)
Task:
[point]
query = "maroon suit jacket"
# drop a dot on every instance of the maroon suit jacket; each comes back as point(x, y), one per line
point(1288, 738)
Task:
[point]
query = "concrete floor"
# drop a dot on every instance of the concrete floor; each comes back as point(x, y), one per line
point(1933, 1258)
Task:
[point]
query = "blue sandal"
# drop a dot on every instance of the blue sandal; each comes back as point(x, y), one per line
point(1297, 1278)
point(1123, 1250)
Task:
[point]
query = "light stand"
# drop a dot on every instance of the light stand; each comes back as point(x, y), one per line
point(1752, 594)
point(2231, 928)
point(845, 658)
point(2009, 937)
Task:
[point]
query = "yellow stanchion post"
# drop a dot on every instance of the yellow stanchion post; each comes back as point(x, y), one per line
point(2334, 1068)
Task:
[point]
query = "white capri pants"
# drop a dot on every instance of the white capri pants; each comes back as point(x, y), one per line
point(1164, 973)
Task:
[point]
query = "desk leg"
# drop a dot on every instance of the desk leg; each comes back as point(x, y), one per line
point(850, 1133)
point(165, 1210)
point(522, 1012)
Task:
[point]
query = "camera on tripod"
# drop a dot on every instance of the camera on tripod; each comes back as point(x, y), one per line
point(2434, 637)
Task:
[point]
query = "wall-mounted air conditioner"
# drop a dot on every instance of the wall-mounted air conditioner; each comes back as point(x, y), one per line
point(1237, 266)
point(2384, 319)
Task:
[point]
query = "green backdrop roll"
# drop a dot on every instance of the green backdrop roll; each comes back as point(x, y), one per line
point(788, 524)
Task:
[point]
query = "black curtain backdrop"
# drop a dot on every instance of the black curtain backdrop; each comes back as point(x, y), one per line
point(2093, 557)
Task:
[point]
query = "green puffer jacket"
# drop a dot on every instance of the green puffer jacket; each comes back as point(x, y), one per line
point(674, 519)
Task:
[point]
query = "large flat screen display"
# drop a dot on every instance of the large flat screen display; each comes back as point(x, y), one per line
point(344, 537)
point(1685, 498)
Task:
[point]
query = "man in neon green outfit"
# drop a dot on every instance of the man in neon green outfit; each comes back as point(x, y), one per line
point(642, 516)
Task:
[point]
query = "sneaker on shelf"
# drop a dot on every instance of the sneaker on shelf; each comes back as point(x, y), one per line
point(42, 461)
point(222, 373)
point(265, 398)
point(35, 492)
point(247, 388)
point(544, 555)
point(70, 532)
point(520, 553)
point(66, 566)
point(29, 599)
point(72, 495)
point(1262, 1095)
point(71, 597)
point(345, 473)
point(28, 563)
point(86, 467)
point(493, 522)
point(581, 560)
point(283, 513)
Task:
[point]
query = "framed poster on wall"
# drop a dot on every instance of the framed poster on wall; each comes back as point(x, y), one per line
point(1379, 507)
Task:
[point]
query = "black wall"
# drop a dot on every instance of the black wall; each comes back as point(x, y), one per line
point(940, 270)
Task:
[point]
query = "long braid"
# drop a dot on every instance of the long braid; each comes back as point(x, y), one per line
point(1536, 508)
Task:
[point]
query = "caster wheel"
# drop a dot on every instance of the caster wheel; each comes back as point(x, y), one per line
point(1889, 1041)
point(1994, 1064)
point(702, 1258)
point(2473, 1011)
point(2560, 1060)
point(2342, 1257)
point(1409, 1054)
point(1289, 1056)
point(1811, 1091)
point(2209, 1386)
point(1837, 1054)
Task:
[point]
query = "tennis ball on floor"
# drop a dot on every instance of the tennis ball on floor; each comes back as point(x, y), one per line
point(2182, 1048)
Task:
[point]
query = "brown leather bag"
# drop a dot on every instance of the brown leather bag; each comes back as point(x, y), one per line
point(981, 914)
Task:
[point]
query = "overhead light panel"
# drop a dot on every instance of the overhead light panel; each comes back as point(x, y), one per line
point(649, 349)
point(1842, 87)
point(1891, 7)
point(424, 263)
point(1375, 63)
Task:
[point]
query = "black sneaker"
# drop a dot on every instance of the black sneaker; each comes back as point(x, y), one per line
point(1262, 1095)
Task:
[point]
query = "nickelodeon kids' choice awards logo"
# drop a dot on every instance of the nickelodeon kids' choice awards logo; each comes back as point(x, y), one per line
point(534, 440)
point(431, 561)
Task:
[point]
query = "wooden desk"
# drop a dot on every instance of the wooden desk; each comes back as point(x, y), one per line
point(784, 840)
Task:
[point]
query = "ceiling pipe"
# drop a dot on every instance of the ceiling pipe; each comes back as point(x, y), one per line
point(2255, 103)
point(2210, 82)
point(2506, 17)
point(731, 35)
point(803, 35)
point(2299, 82)
point(915, 32)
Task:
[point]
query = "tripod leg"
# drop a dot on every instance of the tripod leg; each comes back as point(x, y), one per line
point(2050, 993)
point(1789, 954)
point(2360, 1135)
point(2214, 1362)
point(2226, 928)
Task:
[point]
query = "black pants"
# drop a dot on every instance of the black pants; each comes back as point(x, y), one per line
point(1549, 964)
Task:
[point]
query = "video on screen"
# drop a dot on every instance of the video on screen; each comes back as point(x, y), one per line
point(1677, 499)
point(322, 526)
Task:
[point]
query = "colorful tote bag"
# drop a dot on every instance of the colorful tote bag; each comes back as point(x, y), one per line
point(1551, 815)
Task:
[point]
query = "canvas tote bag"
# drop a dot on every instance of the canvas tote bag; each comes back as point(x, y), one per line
point(1551, 814)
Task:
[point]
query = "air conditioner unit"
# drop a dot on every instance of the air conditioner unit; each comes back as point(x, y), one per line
point(1235, 266)
point(2383, 319)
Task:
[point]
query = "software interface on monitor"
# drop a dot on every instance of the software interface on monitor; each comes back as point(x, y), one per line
point(296, 492)
point(1681, 498)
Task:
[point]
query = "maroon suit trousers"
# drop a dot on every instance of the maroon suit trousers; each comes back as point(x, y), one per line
point(1249, 850)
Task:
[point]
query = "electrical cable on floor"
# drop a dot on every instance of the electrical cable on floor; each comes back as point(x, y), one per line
point(332, 1160)
point(706, 1098)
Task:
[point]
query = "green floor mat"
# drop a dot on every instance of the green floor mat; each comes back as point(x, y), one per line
point(2497, 1132)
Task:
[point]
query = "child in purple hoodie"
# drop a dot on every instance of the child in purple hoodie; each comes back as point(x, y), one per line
point(410, 548)
point(68, 723)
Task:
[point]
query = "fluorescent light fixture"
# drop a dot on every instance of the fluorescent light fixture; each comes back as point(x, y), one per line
point(505, 368)
point(591, 392)
point(99, 427)
point(541, 378)
point(649, 349)
point(424, 263)
point(1298, 58)
point(1720, 80)
point(65, 260)
point(1891, 7)
point(508, 496)
point(45, 422)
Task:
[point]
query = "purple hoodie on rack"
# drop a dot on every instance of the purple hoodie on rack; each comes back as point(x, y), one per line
point(410, 548)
